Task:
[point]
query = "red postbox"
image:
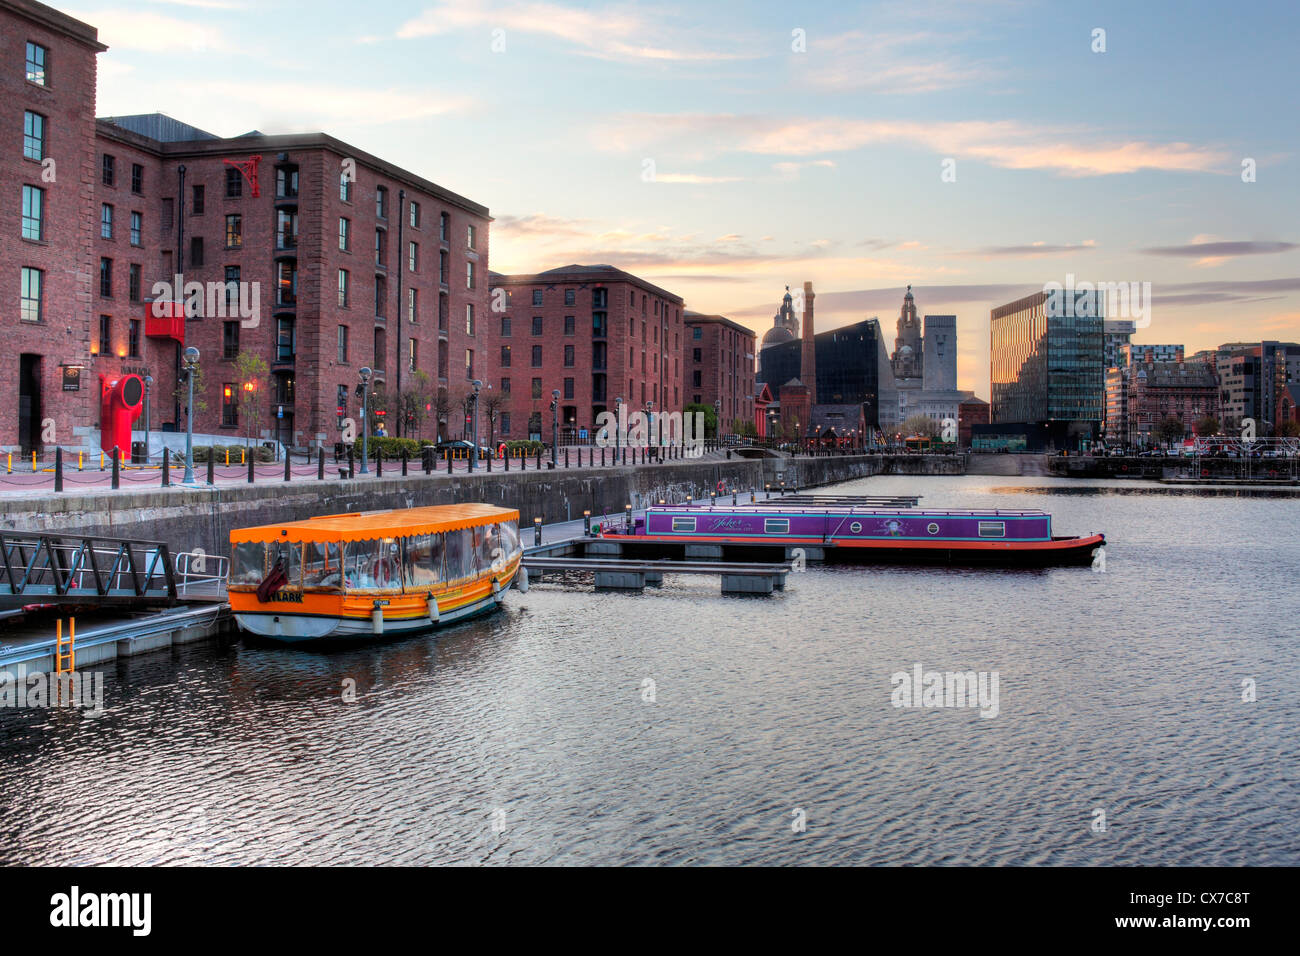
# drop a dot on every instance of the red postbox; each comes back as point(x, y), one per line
point(121, 400)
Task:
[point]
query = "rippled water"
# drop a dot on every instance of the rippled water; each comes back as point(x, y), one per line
point(1119, 691)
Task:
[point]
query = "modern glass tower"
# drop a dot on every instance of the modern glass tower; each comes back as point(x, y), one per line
point(1047, 358)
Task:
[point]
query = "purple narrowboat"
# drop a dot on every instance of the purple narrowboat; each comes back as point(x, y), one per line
point(888, 534)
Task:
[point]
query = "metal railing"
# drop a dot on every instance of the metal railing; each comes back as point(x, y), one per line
point(52, 568)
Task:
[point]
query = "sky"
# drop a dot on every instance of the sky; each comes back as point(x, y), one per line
point(974, 149)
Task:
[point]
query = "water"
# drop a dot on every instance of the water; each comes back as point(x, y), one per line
point(1119, 692)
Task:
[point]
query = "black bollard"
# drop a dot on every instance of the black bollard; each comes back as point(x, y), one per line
point(404, 457)
point(625, 454)
point(320, 465)
point(352, 464)
point(211, 467)
point(379, 463)
point(539, 457)
point(287, 462)
point(602, 457)
point(251, 473)
point(537, 531)
point(507, 459)
point(117, 481)
point(566, 457)
point(58, 470)
point(489, 461)
point(166, 467)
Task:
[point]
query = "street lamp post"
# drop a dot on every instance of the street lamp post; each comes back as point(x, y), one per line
point(650, 425)
point(717, 420)
point(473, 456)
point(148, 381)
point(555, 424)
point(364, 374)
point(191, 367)
point(618, 425)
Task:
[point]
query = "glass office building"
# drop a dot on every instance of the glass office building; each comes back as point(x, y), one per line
point(1047, 360)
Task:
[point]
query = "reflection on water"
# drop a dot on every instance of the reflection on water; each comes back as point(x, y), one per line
point(680, 726)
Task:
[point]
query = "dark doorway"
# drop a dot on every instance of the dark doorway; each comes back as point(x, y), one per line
point(29, 402)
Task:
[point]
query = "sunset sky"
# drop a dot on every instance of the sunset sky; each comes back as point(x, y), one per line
point(694, 145)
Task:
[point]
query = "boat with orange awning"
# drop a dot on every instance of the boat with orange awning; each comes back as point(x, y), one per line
point(362, 575)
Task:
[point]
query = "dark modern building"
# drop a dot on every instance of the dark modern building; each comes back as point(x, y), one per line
point(1047, 362)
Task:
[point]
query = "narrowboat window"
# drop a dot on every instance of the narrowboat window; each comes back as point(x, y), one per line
point(932, 527)
point(993, 529)
point(423, 567)
point(248, 563)
point(684, 524)
point(776, 525)
point(322, 565)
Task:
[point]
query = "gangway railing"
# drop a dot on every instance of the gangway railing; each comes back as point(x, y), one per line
point(50, 568)
point(201, 576)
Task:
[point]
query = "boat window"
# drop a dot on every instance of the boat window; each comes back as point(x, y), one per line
point(423, 567)
point(993, 529)
point(776, 525)
point(510, 539)
point(460, 554)
point(484, 544)
point(291, 556)
point(248, 563)
point(491, 554)
point(684, 524)
point(372, 564)
point(322, 565)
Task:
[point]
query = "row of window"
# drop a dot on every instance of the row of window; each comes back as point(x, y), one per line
point(381, 351)
point(598, 357)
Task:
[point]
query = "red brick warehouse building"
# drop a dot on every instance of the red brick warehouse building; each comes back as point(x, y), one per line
point(356, 262)
point(595, 333)
point(719, 368)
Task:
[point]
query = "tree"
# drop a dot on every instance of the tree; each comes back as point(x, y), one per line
point(1207, 425)
point(182, 393)
point(441, 413)
point(493, 404)
point(922, 425)
point(1170, 429)
point(250, 378)
point(710, 418)
point(414, 403)
point(1287, 429)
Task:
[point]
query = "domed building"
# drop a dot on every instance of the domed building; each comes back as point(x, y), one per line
point(785, 324)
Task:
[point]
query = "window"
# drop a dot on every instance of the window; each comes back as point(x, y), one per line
point(286, 229)
point(505, 326)
point(381, 350)
point(137, 227)
point(234, 183)
point(381, 297)
point(105, 346)
point(568, 358)
point(133, 281)
point(31, 305)
point(412, 305)
point(470, 236)
point(505, 423)
point(993, 529)
point(343, 345)
point(776, 525)
point(284, 339)
point(133, 338)
point(234, 231)
point(469, 275)
point(196, 251)
point(197, 198)
point(537, 356)
point(599, 298)
point(444, 226)
point(469, 319)
point(137, 179)
point(568, 325)
point(505, 356)
point(413, 256)
point(537, 388)
point(107, 170)
point(106, 277)
point(537, 297)
point(229, 340)
point(345, 234)
point(345, 186)
point(598, 325)
point(380, 244)
point(33, 213)
point(442, 266)
point(37, 58)
point(232, 286)
point(684, 525)
point(537, 325)
point(415, 215)
point(469, 363)
point(568, 388)
point(569, 297)
point(697, 354)
point(505, 385)
point(105, 221)
point(341, 403)
point(229, 411)
point(286, 182)
point(381, 202)
point(33, 136)
point(697, 333)
point(168, 219)
point(343, 288)
point(286, 282)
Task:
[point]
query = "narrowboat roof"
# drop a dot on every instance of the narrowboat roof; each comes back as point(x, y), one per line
point(402, 522)
point(775, 510)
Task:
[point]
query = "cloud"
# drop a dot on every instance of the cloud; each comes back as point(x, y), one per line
point(1033, 250)
point(912, 62)
point(142, 30)
point(1222, 250)
point(790, 170)
point(692, 179)
point(607, 33)
point(538, 224)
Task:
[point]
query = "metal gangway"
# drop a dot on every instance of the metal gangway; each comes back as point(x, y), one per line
point(95, 571)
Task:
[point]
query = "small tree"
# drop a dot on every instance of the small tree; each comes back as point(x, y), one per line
point(1287, 429)
point(710, 417)
point(922, 425)
point(414, 403)
point(493, 404)
point(1207, 425)
point(182, 393)
point(1170, 429)
point(250, 374)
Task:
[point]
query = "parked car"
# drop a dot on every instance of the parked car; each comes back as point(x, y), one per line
point(462, 447)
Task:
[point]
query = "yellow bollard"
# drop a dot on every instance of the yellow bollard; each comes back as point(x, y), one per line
point(81, 456)
point(241, 457)
point(227, 456)
point(101, 461)
point(33, 461)
point(9, 467)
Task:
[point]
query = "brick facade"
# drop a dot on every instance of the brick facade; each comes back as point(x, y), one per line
point(719, 368)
